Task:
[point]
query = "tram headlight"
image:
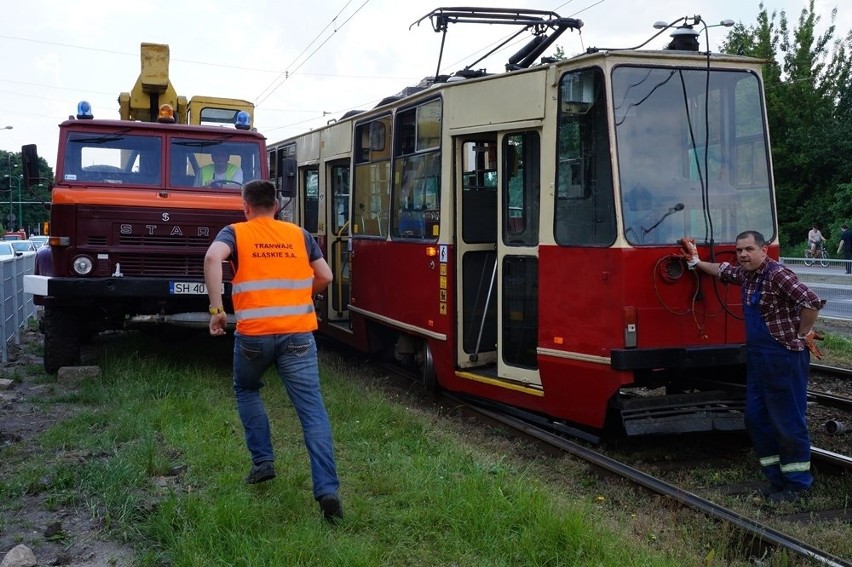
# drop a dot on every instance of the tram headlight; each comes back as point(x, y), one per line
point(82, 265)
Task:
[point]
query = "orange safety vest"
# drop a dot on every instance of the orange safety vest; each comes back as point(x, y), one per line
point(272, 288)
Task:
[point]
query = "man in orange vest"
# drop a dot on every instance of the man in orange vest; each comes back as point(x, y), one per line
point(277, 269)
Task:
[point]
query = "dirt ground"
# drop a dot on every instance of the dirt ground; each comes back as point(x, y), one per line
point(63, 536)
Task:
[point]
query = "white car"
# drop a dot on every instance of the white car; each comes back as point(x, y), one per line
point(6, 250)
point(39, 241)
point(23, 247)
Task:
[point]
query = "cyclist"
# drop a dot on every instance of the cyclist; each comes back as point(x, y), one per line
point(814, 239)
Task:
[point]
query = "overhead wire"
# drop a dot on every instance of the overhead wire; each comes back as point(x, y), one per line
point(373, 101)
point(287, 73)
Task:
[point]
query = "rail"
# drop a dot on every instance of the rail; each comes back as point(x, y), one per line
point(755, 529)
point(18, 307)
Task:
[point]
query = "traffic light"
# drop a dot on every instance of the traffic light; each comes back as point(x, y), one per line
point(45, 226)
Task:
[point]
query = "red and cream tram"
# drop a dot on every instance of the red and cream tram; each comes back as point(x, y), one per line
point(515, 234)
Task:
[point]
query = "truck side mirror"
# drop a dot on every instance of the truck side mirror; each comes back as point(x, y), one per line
point(29, 161)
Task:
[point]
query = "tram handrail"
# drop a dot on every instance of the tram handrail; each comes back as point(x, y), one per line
point(475, 355)
point(338, 283)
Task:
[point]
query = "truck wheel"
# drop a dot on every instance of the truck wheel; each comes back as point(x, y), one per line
point(61, 338)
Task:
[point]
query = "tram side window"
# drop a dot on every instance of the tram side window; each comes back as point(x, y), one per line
point(415, 210)
point(479, 191)
point(339, 197)
point(585, 205)
point(416, 196)
point(371, 189)
point(311, 189)
point(521, 158)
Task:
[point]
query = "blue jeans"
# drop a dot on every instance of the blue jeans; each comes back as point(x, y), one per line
point(295, 358)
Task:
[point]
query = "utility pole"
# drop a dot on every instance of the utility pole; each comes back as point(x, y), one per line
point(20, 205)
point(11, 217)
point(11, 211)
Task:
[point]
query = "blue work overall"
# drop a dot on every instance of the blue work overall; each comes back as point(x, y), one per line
point(776, 395)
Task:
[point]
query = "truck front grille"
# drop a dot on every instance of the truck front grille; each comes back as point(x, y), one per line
point(171, 241)
point(167, 265)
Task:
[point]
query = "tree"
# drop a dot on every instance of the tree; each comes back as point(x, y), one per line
point(35, 200)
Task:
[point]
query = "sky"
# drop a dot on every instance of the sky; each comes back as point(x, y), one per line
point(301, 63)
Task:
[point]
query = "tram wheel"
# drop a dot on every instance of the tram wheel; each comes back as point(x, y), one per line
point(62, 333)
point(427, 368)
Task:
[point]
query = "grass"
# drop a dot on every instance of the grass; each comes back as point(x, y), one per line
point(158, 457)
point(837, 350)
point(414, 493)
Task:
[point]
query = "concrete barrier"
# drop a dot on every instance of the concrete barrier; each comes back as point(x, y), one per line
point(18, 307)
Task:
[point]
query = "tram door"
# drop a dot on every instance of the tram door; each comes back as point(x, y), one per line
point(338, 234)
point(497, 191)
point(476, 249)
point(517, 252)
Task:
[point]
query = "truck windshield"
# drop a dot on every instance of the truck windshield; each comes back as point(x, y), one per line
point(692, 154)
point(112, 158)
point(119, 158)
point(213, 163)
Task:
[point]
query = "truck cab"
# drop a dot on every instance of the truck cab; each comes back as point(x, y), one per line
point(132, 215)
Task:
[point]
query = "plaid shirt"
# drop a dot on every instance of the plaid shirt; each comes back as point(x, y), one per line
point(782, 298)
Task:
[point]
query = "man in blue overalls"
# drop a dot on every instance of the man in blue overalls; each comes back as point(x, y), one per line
point(780, 312)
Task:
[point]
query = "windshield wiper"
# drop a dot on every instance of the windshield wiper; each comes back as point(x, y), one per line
point(102, 139)
point(672, 210)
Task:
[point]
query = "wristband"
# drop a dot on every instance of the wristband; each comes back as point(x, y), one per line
point(801, 337)
point(216, 310)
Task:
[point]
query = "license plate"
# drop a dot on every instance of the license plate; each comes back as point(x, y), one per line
point(187, 288)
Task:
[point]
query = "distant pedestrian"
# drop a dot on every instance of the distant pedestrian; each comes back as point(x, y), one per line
point(846, 245)
point(278, 268)
point(815, 237)
point(780, 312)
point(44, 261)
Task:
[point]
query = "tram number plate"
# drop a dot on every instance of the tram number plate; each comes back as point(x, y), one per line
point(187, 288)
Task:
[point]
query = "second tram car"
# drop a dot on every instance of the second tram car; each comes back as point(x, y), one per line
point(515, 235)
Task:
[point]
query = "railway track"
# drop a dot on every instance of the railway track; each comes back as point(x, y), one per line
point(762, 534)
point(830, 408)
point(734, 504)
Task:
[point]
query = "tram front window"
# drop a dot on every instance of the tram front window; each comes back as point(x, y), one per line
point(692, 160)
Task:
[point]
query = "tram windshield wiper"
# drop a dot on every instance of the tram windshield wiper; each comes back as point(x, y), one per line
point(672, 210)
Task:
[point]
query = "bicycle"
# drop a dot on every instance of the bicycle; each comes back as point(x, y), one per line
point(821, 255)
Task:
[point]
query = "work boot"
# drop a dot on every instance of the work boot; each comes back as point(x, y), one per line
point(331, 509)
point(769, 489)
point(788, 495)
point(261, 472)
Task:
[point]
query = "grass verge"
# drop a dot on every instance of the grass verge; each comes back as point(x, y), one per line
point(158, 457)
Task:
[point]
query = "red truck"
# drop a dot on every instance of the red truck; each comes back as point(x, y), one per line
point(132, 212)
